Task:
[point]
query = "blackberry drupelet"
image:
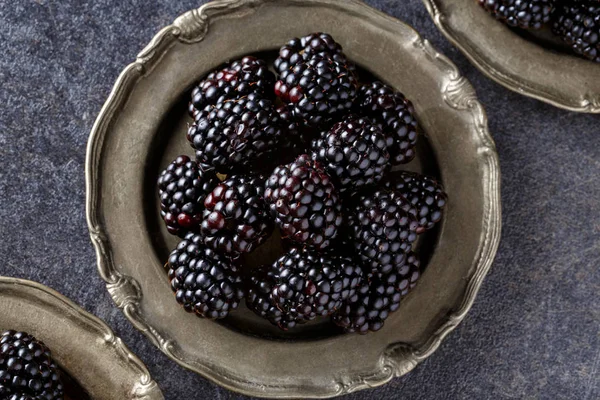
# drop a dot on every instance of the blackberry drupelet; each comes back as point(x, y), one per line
point(578, 24)
point(301, 50)
point(204, 281)
point(408, 274)
point(304, 202)
point(354, 151)
point(382, 229)
point(373, 302)
point(307, 283)
point(27, 369)
point(236, 134)
point(236, 219)
point(318, 89)
point(240, 78)
point(528, 14)
point(182, 187)
point(424, 193)
point(394, 114)
point(258, 299)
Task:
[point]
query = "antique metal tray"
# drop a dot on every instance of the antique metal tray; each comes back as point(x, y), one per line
point(142, 128)
point(96, 362)
point(534, 63)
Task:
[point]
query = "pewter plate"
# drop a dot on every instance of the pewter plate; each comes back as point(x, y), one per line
point(85, 348)
point(142, 128)
point(532, 63)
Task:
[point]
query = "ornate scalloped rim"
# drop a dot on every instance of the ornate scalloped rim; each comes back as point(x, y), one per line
point(398, 359)
point(145, 388)
point(587, 103)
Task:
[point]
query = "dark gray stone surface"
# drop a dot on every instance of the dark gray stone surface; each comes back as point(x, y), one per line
point(534, 331)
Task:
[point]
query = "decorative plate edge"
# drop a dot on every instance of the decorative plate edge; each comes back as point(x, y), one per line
point(587, 104)
point(145, 388)
point(397, 359)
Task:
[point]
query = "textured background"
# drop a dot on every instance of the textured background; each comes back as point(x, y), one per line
point(534, 331)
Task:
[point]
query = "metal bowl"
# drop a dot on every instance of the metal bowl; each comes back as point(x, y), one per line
point(142, 128)
point(94, 360)
point(533, 63)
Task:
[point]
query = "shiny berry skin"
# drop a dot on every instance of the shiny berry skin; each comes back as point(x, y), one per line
point(237, 135)
point(258, 299)
point(528, 14)
point(27, 369)
point(182, 187)
point(424, 193)
point(300, 50)
point(318, 90)
point(378, 295)
point(236, 219)
point(578, 24)
point(204, 282)
point(304, 202)
point(395, 116)
point(308, 284)
point(382, 229)
point(353, 151)
point(240, 78)
point(372, 304)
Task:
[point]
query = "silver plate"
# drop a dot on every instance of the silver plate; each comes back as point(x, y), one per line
point(84, 346)
point(142, 128)
point(534, 64)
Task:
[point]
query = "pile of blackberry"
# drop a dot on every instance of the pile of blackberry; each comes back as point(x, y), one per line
point(576, 22)
point(308, 151)
point(27, 370)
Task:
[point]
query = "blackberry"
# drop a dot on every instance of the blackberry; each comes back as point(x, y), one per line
point(182, 187)
point(354, 151)
point(204, 282)
point(318, 89)
point(27, 370)
point(304, 202)
point(236, 134)
point(528, 14)
point(382, 229)
point(408, 274)
point(394, 114)
point(424, 193)
point(240, 78)
point(375, 299)
point(301, 50)
point(236, 219)
point(258, 299)
point(307, 283)
point(578, 24)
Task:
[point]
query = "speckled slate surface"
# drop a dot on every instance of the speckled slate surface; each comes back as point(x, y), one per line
point(534, 331)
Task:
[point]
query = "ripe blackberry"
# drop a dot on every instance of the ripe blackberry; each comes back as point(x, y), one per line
point(578, 24)
point(236, 134)
point(394, 114)
point(317, 89)
point(204, 282)
point(408, 274)
point(182, 187)
point(307, 283)
point(528, 14)
point(382, 229)
point(258, 299)
point(354, 151)
point(304, 202)
point(240, 78)
point(236, 219)
point(373, 302)
point(27, 369)
point(301, 50)
point(424, 193)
